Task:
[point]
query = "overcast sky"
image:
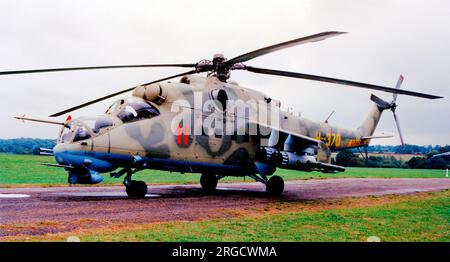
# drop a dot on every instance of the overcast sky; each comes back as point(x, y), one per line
point(387, 38)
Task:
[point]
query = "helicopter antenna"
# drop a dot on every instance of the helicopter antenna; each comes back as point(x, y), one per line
point(328, 118)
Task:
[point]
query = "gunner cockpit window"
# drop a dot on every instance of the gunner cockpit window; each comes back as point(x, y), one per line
point(81, 133)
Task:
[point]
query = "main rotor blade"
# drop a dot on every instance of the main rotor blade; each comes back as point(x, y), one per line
point(273, 48)
point(338, 81)
point(47, 70)
point(118, 93)
point(398, 128)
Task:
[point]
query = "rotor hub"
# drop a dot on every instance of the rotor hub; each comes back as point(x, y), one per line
point(217, 67)
point(393, 107)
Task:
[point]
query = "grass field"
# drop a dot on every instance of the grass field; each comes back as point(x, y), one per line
point(417, 217)
point(422, 217)
point(27, 170)
point(413, 219)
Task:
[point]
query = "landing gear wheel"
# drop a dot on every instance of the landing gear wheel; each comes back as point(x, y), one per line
point(208, 183)
point(275, 186)
point(137, 189)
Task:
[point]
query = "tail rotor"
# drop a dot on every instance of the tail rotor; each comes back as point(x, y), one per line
point(382, 104)
point(394, 107)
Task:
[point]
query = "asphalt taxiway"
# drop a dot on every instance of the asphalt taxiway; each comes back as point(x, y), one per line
point(60, 209)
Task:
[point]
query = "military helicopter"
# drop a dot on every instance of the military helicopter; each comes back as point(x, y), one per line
point(207, 125)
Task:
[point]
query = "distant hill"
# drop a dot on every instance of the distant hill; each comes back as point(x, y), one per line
point(25, 146)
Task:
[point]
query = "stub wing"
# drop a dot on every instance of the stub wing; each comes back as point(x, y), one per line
point(277, 135)
point(288, 149)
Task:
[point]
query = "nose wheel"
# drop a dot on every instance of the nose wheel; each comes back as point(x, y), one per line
point(134, 188)
point(209, 182)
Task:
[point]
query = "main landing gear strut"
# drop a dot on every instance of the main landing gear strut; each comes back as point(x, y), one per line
point(134, 188)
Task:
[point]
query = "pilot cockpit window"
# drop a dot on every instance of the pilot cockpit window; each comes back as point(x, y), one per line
point(114, 108)
point(136, 110)
point(81, 133)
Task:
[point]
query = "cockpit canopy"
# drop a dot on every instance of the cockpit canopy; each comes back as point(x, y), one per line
point(125, 110)
point(84, 128)
point(132, 109)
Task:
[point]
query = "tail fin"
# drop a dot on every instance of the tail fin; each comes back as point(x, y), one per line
point(370, 123)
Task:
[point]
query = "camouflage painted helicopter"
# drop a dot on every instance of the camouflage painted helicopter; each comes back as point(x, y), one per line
point(208, 125)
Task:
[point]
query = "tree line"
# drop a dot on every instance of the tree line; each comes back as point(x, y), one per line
point(406, 149)
point(25, 146)
point(424, 160)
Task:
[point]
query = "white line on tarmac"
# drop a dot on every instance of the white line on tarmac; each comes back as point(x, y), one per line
point(14, 196)
point(231, 189)
point(152, 195)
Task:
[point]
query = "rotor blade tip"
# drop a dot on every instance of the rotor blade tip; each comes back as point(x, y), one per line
point(339, 32)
